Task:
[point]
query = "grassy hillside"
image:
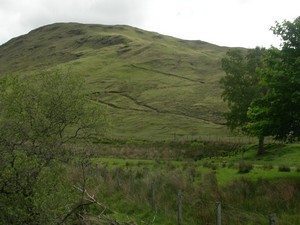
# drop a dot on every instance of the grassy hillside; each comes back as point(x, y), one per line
point(152, 85)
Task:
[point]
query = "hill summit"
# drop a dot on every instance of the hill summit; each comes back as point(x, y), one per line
point(153, 86)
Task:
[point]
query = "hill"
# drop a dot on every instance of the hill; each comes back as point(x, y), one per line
point(153, 85)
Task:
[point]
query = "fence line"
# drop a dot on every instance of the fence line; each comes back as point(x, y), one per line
point(179, 208)
point(180, 199)
point(225, 139)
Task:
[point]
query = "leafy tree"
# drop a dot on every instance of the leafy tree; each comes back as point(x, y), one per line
point(38, 116)
point(241, 86)
point(279, 110)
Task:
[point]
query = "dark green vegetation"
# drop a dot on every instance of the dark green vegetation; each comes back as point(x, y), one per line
point(247, 198)
point(39, 115)
point(152, 85)
point(241, 86)
point(112, 151)
point(262, 87)
point(278, 112)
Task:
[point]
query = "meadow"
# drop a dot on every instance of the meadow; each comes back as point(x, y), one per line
point(137, 190)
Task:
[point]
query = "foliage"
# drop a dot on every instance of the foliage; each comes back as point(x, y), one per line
point(241, 84)
point(279, 110)
point(271, 107)
point(46, 111)
point(258, 111)
point(244, 166)
point(284, 168)
point(38, 116)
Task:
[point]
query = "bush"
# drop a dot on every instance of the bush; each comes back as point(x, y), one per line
point(284, 168)
point(206, 164)
point(210, 180)
point(267, 167)
point(210, 165)
point(214, 166)
point(224, 164)
point(231, 165)
point(197, 145)
point(245, 167)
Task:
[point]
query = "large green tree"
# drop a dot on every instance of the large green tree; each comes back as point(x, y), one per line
point(39, 115)
point(279, 110)
point(241, 86)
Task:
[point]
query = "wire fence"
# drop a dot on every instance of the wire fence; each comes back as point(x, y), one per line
point(163, 192)
point(225, 139)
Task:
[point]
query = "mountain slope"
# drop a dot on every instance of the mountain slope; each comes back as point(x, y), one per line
point(153, 85)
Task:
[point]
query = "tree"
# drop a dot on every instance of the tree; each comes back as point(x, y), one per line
point(39, 115)
point(279, 110)
point(241, 86)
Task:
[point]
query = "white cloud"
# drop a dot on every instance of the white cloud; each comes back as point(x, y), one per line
point(230, 23)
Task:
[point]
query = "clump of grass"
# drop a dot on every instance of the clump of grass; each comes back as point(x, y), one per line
point(224, 164)
point(206, 163)
point(170, 166)
point(210, 165)
point(284, 168)
point(268, 167)
point(214, 166)
point(210, 180)
point(245, 167)
point(139, 174)
point(127, 164)
point(191, 172)
point(230, 165)
point(196, 145)
point(140, 163)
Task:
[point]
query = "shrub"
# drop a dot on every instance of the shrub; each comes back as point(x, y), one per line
point(170, 166)
point(231, 165)
point(191, 172)
point(284, 168)
point(245, 167)
point(214, 166)
point(206, 164)
point(196, 145)
point(267, 167)
point(210, 165)
point(224, 164)
point(210, 180)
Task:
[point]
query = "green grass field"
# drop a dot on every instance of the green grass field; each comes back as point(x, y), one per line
point(226, 167)
point(247, 198)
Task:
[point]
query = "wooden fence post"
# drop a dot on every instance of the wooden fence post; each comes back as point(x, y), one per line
point(272, 219)
point(118, 179)
point(97, 170)
point(218, 213)
point(153, 196)
point(132, 183)
point(179, 208)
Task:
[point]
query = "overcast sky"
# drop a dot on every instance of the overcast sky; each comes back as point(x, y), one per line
point(243, 23)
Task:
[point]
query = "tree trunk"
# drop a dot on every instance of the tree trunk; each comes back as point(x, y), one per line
point(261, 149)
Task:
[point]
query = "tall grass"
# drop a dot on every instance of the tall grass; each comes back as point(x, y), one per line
point(127, 191)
